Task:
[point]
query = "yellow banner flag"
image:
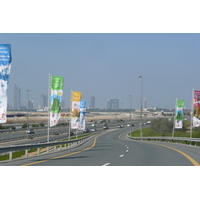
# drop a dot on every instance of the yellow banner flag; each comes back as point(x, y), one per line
point(76, 96)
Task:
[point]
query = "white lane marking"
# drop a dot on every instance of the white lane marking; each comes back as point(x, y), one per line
point(127, 147)
point(121, 156)
point(106, 164)
point(126, 150)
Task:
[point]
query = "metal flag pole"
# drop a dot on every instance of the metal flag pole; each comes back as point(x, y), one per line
point(48, 106)
point(192, 111)
point(141, 77)
point(70, 106)
point(174, 119)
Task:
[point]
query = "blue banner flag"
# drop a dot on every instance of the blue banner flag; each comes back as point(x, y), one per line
point(5, 67)
point(82, 115)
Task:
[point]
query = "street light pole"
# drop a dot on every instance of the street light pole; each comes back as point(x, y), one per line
point(130, 111)
point(27, 107)
point(141, 77)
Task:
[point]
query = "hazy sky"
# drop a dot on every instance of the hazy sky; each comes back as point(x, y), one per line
point(107, 66)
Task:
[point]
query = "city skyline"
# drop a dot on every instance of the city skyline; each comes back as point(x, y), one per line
point(112, 103)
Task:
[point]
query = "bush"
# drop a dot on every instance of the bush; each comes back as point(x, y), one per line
point(35, 125)
point(42, 124)
point(24, 125)
point(1, 126)
point(162, 125)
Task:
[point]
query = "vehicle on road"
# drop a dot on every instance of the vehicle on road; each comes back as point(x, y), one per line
point(30, 133)
point(71, 133)
point(130, 124)
point(120, 126)
point(93, 129)
point(86, 130)
point(105, 127)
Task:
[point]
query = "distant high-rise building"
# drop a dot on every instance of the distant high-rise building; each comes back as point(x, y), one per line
point(92, 102)
point(30, 104)
point(63, 103)
point(113, 104)
point(44, 101)
point(17, 97)
point(145, 103)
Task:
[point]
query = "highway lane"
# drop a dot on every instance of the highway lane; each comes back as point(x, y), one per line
point(170, 154)
point(113, 148)
point(22, 135)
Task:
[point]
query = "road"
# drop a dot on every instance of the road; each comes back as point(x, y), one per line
point(114, 148)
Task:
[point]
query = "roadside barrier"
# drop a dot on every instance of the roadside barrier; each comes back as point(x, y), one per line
point(182, 140)
point(38, 146)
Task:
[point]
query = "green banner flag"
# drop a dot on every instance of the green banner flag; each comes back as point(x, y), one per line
point(179, 114)
point(57, 84)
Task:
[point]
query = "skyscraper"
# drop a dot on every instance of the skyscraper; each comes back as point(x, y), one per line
point(145, 103)
point(92, 102)
point(17, 97)
point(63, 104)
point(30, 104)
point(113, 104)
point(44, 101)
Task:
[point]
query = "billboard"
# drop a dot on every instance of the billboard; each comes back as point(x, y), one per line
point(5, 67)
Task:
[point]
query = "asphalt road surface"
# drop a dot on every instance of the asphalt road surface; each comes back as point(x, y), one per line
point(114, 148)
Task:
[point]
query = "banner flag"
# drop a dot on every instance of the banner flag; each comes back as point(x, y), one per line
point(5, 67)
point(196, 109)
point(76, 98)
point(179, 114)
point(82, 115)
point(57, 84)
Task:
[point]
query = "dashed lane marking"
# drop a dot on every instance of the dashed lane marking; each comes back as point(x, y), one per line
point(106, 164)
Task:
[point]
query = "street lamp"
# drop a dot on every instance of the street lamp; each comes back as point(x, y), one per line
point(141, 77)
point(121, 109)
point(130, 111)
point(27, 107)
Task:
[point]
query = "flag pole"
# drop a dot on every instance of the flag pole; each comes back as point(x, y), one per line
point(70, 106)
point(192, 111)
point(48, 107)
point(174, 119)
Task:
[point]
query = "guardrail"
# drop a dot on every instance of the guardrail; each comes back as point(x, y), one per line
point(54, 144)
point(13, 137)
point(191, 141)
point(20, 137)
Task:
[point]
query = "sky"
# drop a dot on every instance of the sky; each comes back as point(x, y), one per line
point(107, 65)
